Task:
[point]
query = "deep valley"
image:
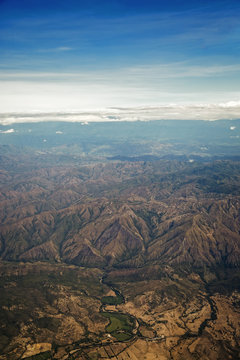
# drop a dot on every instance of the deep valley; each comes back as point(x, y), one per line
point(119, 246)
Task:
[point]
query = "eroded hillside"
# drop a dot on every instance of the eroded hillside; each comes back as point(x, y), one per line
point(119, 259)
point(123, 214)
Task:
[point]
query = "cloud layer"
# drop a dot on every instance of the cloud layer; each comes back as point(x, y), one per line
point(131, 86)
point(210, 112)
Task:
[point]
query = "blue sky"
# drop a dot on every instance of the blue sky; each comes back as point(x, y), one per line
point(70, 55)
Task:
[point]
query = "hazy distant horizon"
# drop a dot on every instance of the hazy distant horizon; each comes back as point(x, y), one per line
point(207, 112)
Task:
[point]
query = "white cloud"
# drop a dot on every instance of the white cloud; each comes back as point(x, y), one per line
point(134, 74)
point(51, 50)
point(152, 85)
point(10, 131)
point(202, 111)
point(63, 48)
point(182, 70)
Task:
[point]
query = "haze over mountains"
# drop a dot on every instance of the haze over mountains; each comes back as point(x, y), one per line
point(119, 180)
point(194, 111)
point(120, 240)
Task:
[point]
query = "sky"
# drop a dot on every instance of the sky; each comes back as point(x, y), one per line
point(69, 56)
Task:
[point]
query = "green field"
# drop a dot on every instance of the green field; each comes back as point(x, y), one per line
point(120, 325)
point(112, 300)
point(121, 336)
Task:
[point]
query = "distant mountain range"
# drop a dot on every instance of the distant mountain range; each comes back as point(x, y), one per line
point(125, 214)
point(120, 240)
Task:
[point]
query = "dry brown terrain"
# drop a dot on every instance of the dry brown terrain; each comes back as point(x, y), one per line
point(123, 214)
point(120, 260)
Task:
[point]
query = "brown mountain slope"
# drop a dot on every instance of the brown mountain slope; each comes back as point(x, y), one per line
point(123, 214)
point(157, 249)
point(104, 233)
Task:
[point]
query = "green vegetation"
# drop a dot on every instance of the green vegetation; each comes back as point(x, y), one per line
point(43, 356)
point(118, 322)
point(121, 336)
point(112, 300)
point(120, 325)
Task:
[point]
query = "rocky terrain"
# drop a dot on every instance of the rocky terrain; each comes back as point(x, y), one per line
point(124, 258)
point(123, 214)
